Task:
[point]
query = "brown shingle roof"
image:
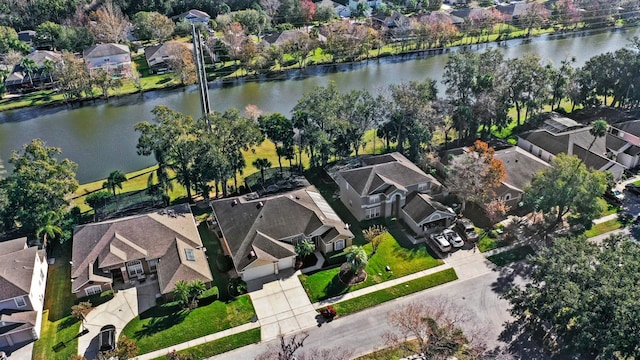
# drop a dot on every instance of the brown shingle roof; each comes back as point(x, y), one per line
point(148, 236)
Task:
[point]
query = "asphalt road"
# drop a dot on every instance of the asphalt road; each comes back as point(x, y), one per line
point(364, 332)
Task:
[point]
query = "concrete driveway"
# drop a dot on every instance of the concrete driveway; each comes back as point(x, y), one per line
point(281, 305)
point(125, 306)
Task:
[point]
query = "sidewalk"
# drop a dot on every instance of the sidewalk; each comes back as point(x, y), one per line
point(478, 263)
point(381, 286)
point(199, 341)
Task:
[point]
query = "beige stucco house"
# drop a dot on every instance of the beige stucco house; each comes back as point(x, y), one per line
point(259, 235)
point(162, 246)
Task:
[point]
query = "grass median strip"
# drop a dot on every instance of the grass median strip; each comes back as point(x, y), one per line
point(409, 287)
point(509, 256)
point(221, 345)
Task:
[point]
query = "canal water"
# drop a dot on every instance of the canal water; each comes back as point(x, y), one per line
point(100, 137)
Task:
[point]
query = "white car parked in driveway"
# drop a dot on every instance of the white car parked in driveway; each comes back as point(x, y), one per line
point(453, 238)
point(440, 241)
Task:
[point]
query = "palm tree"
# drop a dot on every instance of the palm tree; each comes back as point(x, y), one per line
point(30, 67)
point(305, 248)
point(262, 164)
point(49, 227)
point(115, 180)
point(357, 259)
point(598, 130)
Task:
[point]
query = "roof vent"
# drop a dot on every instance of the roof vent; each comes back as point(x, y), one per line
point(252, 254)
point(297, 197)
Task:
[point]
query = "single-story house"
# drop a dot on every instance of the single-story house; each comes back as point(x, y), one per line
point(23, 279)
point(424, 215)
point(520, 167)
point(163, 245)
point(563, 135)
point(114, 58)
point(158, 55)
point(195, 17)
point(379, 187)
point(260, 234)
point(20, 78)
point(515, 11)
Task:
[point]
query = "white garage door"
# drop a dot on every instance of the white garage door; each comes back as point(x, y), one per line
point(258, 272)
point(286, 263)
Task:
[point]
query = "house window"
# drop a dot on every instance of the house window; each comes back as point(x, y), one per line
point(190, 255)
point(41, 275)
point(507, 197)
point(423, 187)
point(372, 212)
point(134, 268)
point(374, 199)
point(153, 265)
point(20, 302)
point(93, 290)
point(338, 245)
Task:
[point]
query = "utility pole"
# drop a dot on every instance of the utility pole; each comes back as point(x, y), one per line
point(198, 57)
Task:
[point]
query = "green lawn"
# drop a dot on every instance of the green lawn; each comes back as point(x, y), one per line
point(604, 227)
point(222, 345)
point(509, 256)
point(400, 290)
point(57, 323)
point(166, 325)
point(487, 243)
point(402, 260)
point(217, 260)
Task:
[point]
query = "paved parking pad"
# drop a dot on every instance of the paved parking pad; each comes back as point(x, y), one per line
point(282, 307)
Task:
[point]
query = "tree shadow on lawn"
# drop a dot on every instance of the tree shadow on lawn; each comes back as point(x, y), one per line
point(335, 288)
point(521, 343)
point(69, 321)
point(161, 323)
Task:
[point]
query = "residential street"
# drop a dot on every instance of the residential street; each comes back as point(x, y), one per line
point(363, 332)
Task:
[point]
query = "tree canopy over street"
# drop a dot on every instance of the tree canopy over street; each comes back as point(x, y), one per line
point(585, 294)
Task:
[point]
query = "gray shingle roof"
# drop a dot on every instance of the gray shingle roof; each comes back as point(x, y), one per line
point(16, 268)
point(156, 235)
point(158, 54)
point(421, 206)
point(16, 320)
point(248, 226)
point(520, 166)
point(102, 50)
point(391, 169)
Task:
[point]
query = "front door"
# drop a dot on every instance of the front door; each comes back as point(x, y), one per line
point(338, 245)
point(134, 268)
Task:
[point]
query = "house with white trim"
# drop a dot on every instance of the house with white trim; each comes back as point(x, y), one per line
point(23, 279)
point(260, 234)
point(163, 246)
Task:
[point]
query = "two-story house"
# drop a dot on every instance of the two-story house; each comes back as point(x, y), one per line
point(162, 246)
point(113, 58)
point(23, 278)
point(385, 184)
point(260, 234)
